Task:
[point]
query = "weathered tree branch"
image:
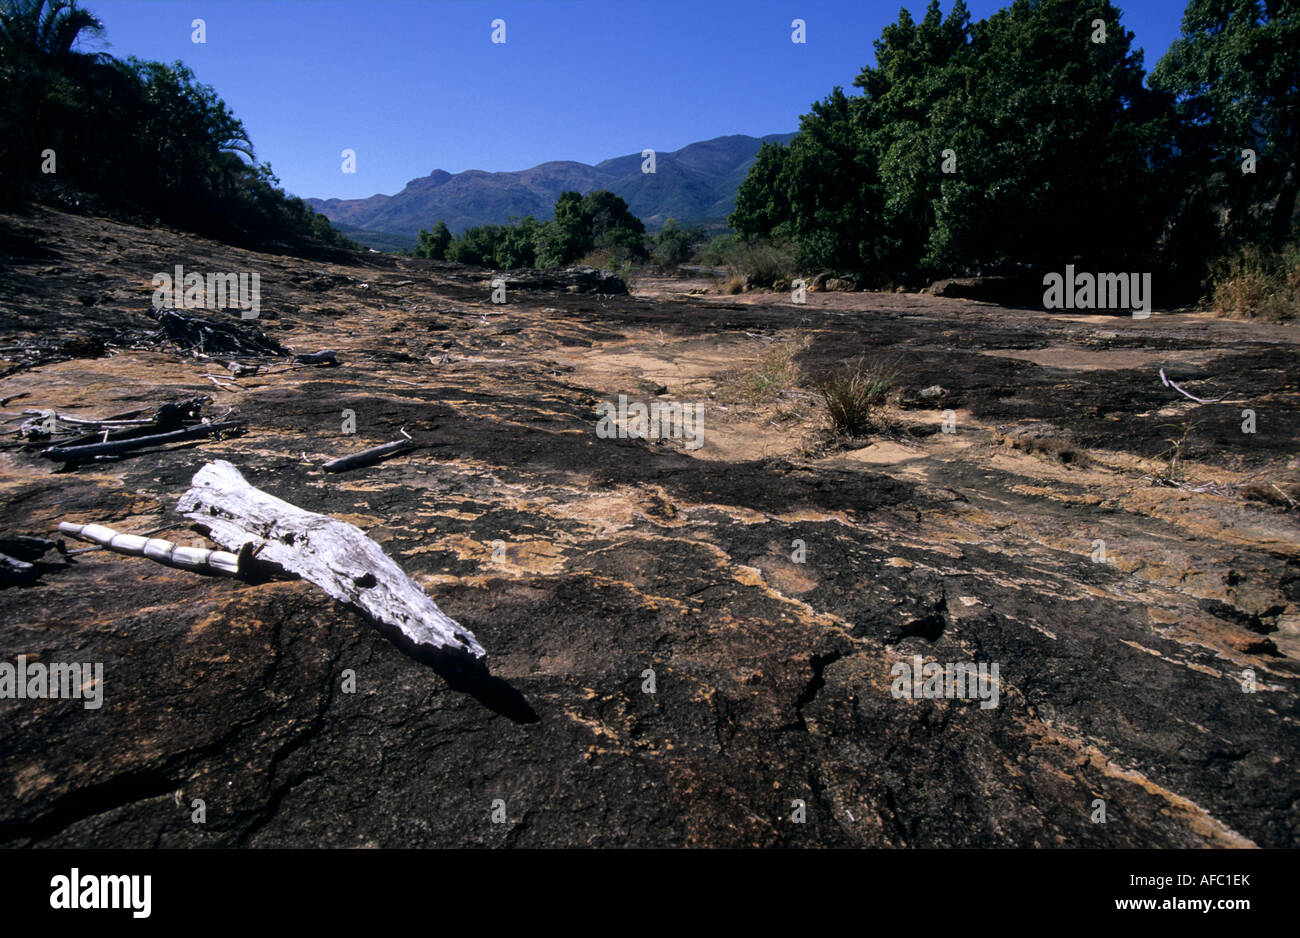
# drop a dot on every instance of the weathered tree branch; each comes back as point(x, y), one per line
point(367, 456)
point(335, 555)
point(326, 357)
point(91, 450)
point(165, 552)
point(1200, 400)
point(13, 570)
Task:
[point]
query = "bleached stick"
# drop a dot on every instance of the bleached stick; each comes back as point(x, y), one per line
point(164, 552)
point(335, 555)
point(1199, 400)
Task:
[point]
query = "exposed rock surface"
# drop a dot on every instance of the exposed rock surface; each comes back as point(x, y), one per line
point(571, 279)
point(581, 562)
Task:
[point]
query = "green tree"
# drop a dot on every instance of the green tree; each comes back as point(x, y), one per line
point(476, 246)
point(581, 224)
point(518, 244)
point(1053, 136)
point(1235, 72)
point(41, 73)
point(763, 199)
point(974, 147)
point(433, 244)
point(673, 245)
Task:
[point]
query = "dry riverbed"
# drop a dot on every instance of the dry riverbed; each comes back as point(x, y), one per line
point(771, 578)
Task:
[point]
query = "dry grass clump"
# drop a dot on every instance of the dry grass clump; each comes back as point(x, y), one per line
point(853, 395)
point(1037, 443)
point(774, 372)
point(1258, 284)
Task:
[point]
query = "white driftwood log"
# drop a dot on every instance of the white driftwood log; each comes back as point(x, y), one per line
point(335, 555)
point(165, 552)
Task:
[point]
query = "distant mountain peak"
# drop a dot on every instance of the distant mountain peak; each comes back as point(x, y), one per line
point(696, 185)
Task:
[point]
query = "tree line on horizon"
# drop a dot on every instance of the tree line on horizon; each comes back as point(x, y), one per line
point(1034, 139)
point(599, 221)
point(128, 135)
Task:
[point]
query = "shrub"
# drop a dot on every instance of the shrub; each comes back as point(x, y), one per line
point(758, 262)
point(1258, 284)
point(716, 253)
point(674, 246)
point(764, 262)
point(853, 394)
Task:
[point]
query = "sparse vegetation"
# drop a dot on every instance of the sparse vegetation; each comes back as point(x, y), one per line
point(774, 372)
point(1258, 283)
point(605, 259)
point(852, 395)
point(1175, 456)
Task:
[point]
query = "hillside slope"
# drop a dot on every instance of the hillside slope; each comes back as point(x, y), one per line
point(695, 185)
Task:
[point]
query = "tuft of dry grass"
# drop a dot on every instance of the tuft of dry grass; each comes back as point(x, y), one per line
point(774, 372)
point(852, 395)
point(1257, 284)
point(1052, 447)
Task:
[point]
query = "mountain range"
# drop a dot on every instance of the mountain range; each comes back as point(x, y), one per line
point(695, 185)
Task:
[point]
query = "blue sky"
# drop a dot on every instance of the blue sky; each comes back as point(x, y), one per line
point(418, 85)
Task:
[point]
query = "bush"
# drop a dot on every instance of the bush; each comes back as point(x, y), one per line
point(758, 262)
point(716, 253)
point(775, 371)
point(674, 246)
point(582, 224)
point(476, 246)
point(764, 262)
point(1258, 284)
point(853, 394)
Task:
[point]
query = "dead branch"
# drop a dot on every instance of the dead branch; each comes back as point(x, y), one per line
point(368, 456)
point(13, 570)
point(335, 555)
point(1199, 400)
point(326, 357)
point(93, 450)
point(198, 559)
point(209, 337)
